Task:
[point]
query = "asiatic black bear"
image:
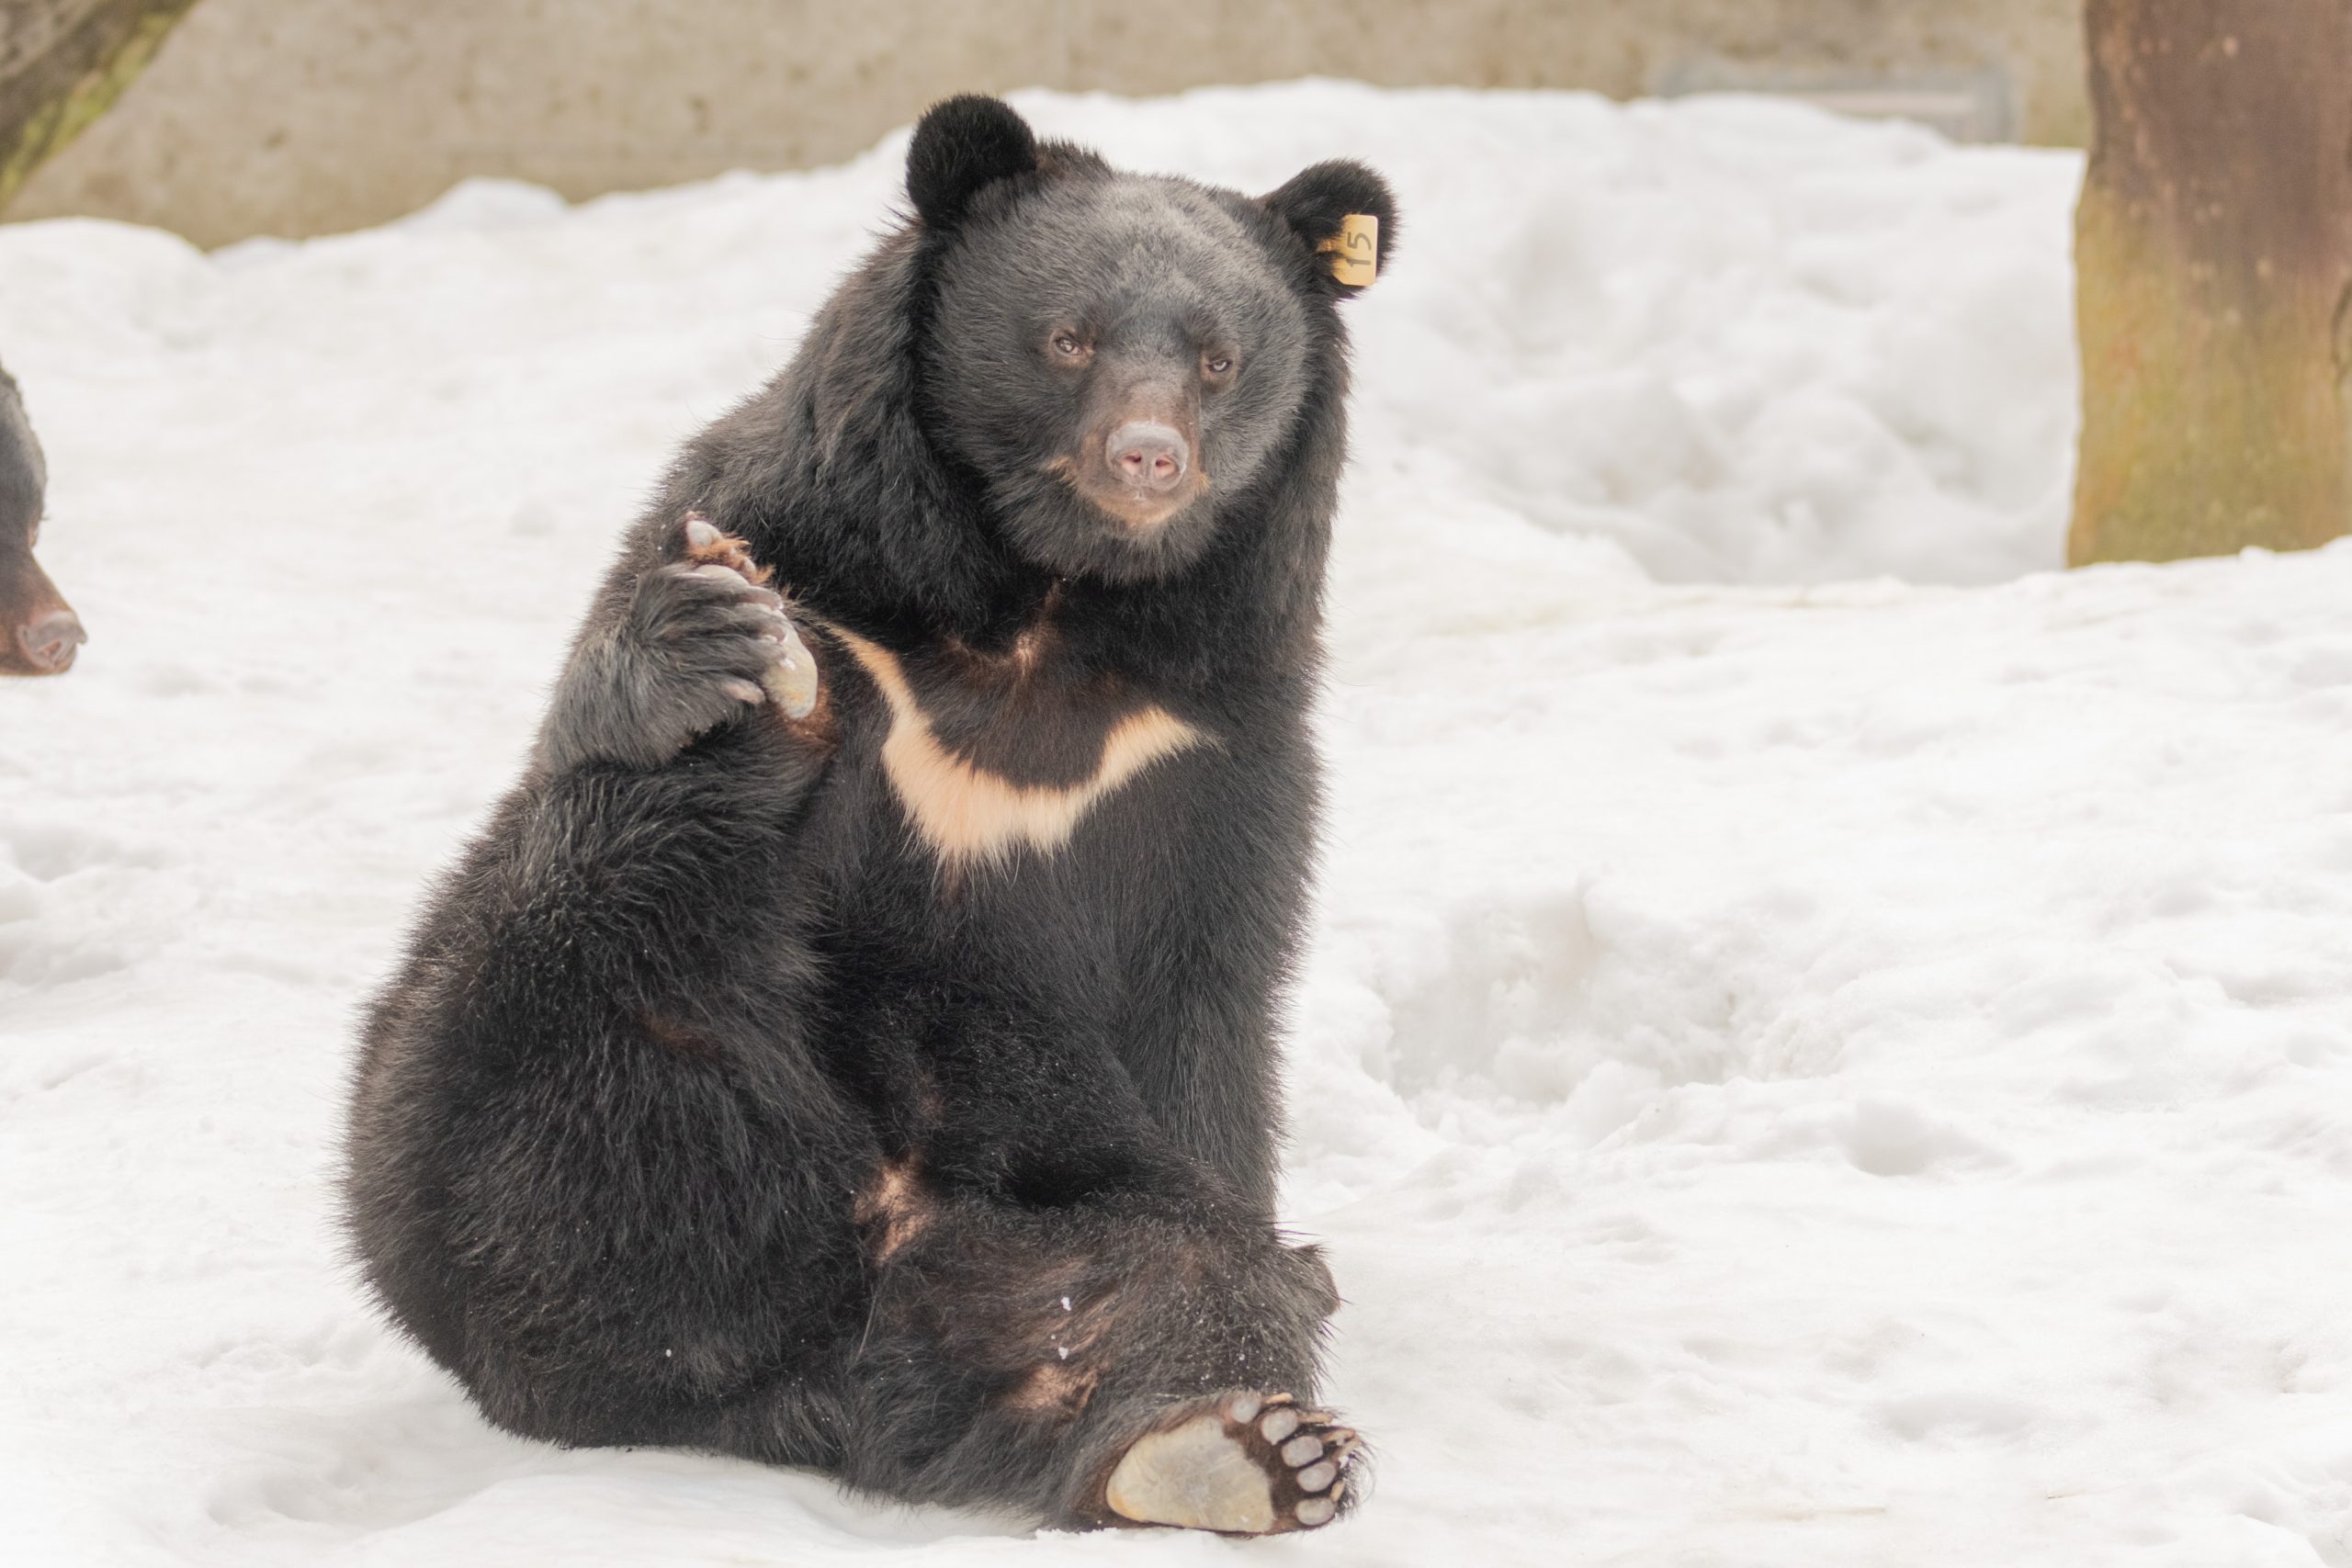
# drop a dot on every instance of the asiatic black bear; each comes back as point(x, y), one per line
point(852, 1044)
point(39, 634)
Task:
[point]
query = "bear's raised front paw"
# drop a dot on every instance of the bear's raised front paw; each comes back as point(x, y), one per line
point(1239, 1464)
point(789, 676)
point(704, 639)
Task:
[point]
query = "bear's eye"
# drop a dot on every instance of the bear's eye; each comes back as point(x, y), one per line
point(1216, 366)
point(1067, 345)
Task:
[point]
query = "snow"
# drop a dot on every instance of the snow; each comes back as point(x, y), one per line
point(1826, 1041)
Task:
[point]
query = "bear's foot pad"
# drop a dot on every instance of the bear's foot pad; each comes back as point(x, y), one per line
point(1249, 1464)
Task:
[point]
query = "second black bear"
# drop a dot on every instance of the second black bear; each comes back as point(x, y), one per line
point(877, 1073)
point(39, 634)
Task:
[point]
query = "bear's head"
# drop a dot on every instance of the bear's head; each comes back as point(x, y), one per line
point(39, 632)
point(1121, 357)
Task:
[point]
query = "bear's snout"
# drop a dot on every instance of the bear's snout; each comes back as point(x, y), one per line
point(1148, 454)
point(51, 641)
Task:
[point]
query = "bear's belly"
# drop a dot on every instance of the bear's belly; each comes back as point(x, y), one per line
point(965, 798)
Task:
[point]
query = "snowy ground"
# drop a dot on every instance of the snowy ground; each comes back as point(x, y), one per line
point(1828, 1043)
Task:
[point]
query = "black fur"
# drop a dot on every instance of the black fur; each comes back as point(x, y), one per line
point(961, 145)
point(712, 1107)
point(23, 476)
point(1314, 200)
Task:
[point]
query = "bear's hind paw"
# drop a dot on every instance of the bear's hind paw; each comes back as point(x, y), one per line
point(1246, 1464)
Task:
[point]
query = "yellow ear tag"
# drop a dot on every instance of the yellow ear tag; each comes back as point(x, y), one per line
point(1354, 250)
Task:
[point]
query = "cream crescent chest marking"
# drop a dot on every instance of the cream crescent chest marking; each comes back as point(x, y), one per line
point(965, 813)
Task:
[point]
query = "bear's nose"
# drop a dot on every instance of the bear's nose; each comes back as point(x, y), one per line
point(51, 641)
point(1148, 454)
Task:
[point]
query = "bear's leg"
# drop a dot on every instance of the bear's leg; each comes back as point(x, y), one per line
point(1132, 1360)
point(595, 1169)
point(593, 1165)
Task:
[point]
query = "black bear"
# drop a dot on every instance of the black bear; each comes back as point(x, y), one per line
point(877, 1073)
point(39, 634)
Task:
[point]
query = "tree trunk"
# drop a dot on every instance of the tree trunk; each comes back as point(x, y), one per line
point(62, 63)
point(2213, 265)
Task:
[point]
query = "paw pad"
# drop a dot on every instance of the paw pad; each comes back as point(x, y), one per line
point(1252, 1464)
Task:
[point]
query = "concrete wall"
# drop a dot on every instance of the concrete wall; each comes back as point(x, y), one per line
point(302, 117)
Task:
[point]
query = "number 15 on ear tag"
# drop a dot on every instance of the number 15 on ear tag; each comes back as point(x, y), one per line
point(1355, 250)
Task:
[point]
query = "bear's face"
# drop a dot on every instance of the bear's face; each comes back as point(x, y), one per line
point(1117, 356)
point(38, 632)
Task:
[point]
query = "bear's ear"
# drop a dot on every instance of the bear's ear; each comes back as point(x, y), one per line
point(961, 144)
point(1345, 214)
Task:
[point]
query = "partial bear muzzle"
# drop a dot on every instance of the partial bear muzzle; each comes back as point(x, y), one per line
point(51, 641)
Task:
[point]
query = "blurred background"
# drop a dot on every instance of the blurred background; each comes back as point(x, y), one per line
point(304, 117)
